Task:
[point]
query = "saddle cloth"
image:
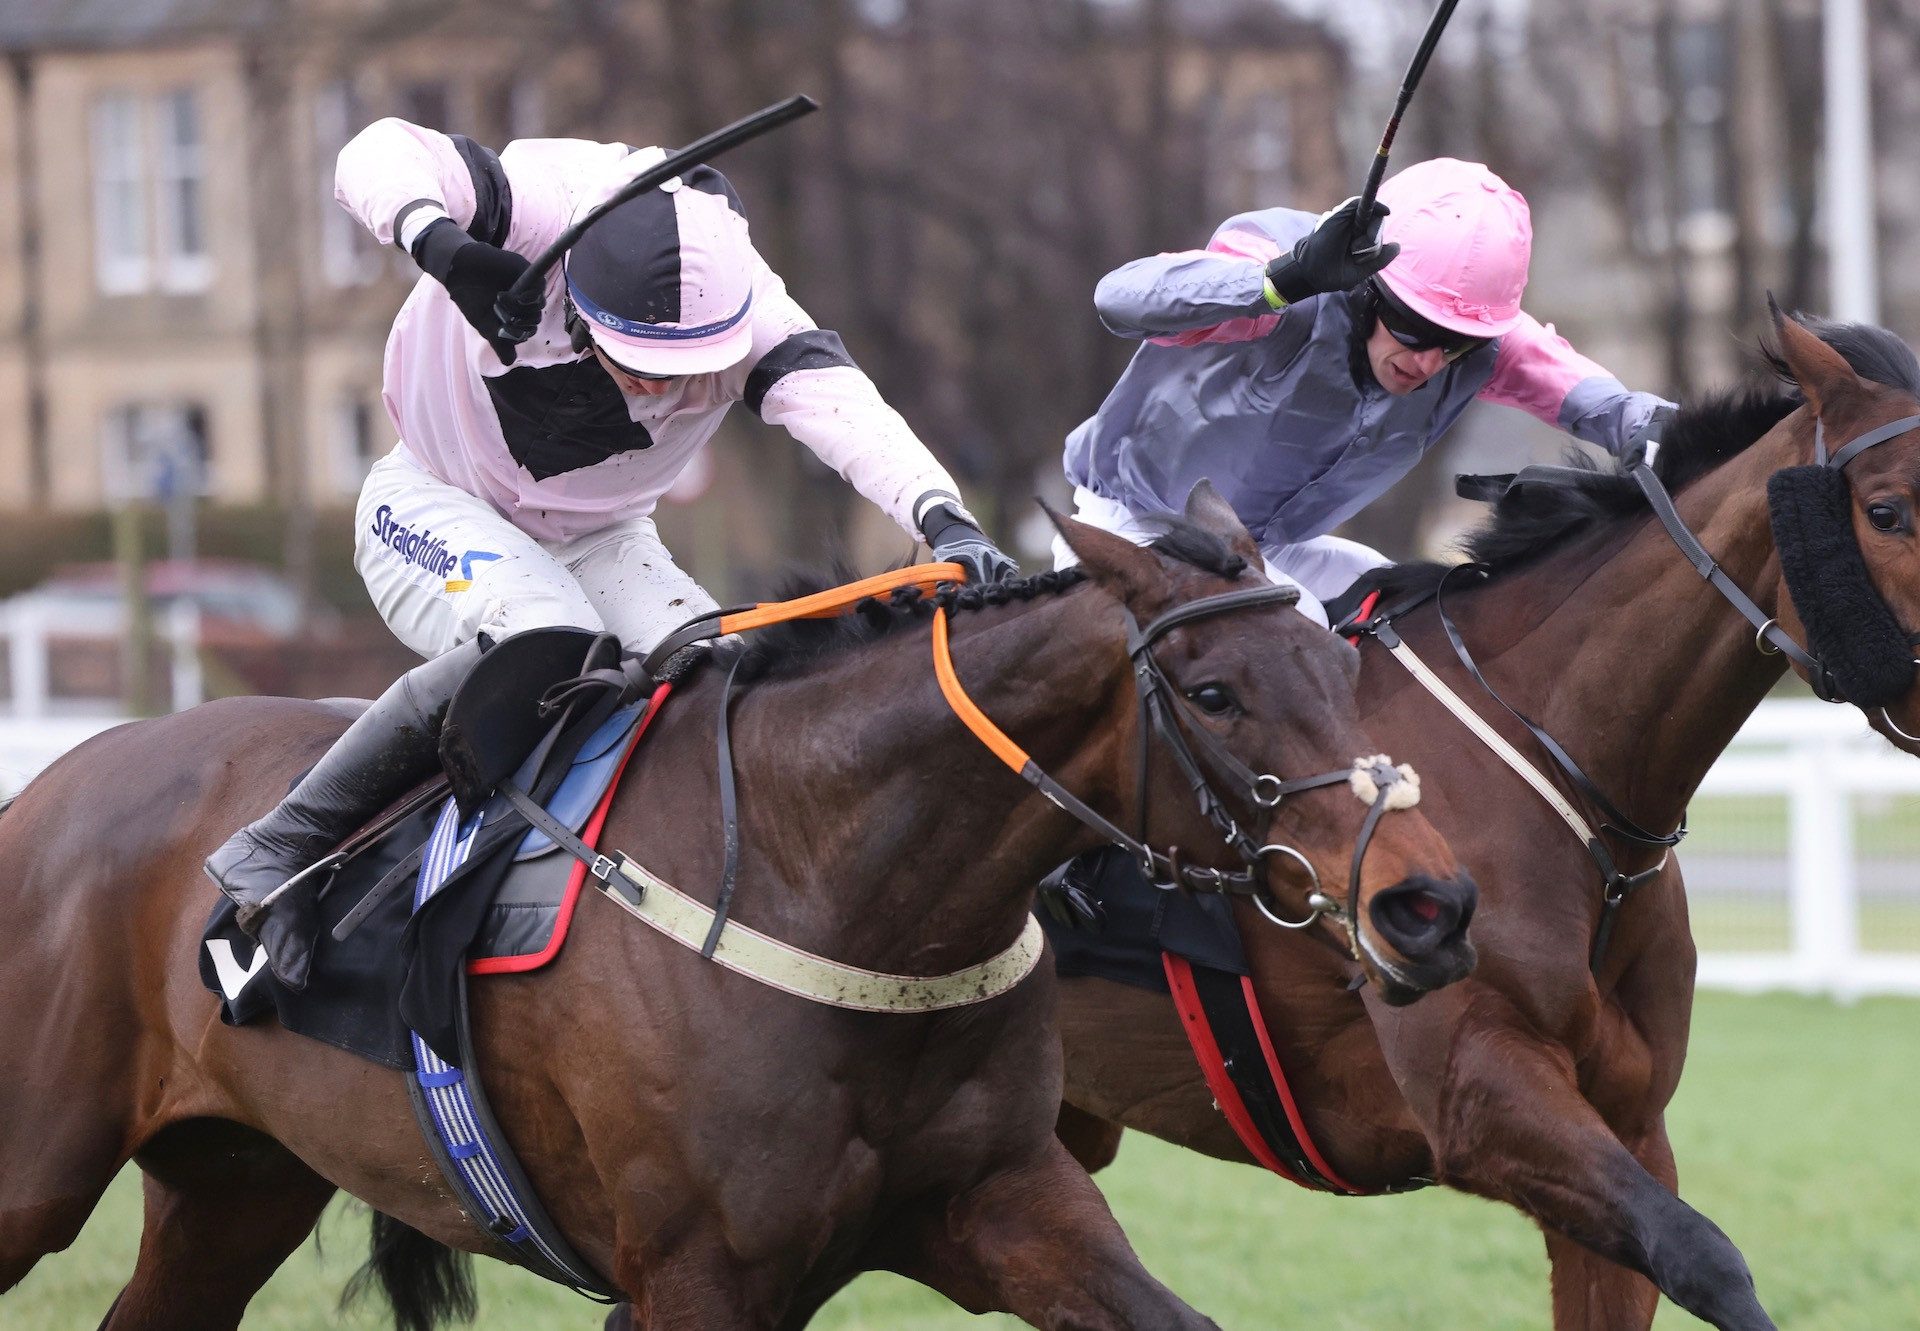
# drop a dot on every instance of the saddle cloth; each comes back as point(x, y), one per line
point(509, 915)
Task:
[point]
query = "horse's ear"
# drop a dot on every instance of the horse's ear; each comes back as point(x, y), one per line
point(1130, 571)
point(1822, 373)
point(1213, 514)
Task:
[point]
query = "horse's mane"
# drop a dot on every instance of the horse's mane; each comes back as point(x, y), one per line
point(797, 646)
point(1531, 521)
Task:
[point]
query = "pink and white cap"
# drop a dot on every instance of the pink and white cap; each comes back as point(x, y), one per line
point(664, 282)
point(1465, 238)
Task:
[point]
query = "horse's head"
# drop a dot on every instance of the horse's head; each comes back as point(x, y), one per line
point(1848, 529)
point(1264, 690)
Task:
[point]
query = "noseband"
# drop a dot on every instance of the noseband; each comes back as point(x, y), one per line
point(1160, 705)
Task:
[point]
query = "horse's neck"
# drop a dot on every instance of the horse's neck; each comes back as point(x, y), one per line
point(1629, 658)
point(893, 816)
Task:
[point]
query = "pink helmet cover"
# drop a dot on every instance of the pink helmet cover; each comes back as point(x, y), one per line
point(1465, 239)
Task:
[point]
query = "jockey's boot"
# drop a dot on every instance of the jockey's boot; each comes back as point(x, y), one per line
point(389, 749)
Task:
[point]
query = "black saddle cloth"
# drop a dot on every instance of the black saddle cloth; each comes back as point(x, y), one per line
point(400, 968)
point(1137, 922)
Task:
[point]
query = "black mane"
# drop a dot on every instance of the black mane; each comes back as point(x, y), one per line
point(1530, 521)
point(793, 648)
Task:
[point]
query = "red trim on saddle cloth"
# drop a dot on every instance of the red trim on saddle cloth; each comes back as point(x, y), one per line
point(1361, 616)
point(1193, 1020)
point(590, 834)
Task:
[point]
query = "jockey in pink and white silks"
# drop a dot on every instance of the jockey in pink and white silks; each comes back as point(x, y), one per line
point(531, 457)
point(1303, 381)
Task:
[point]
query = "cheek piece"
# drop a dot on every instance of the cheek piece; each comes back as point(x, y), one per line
point(1849, 628)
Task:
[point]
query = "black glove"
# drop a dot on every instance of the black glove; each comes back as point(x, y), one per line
point(956, 540)
point(1337, 255)
point(478, 276)
point(1651, 433)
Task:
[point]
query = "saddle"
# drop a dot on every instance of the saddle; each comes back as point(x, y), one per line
point(550, 713)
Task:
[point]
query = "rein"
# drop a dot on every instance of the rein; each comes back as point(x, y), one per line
point(1159, 705)
point(759, 957)
point(1769, 639)
point(1616, 884)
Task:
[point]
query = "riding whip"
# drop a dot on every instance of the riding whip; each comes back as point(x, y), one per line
point(1435, 26)
point(526, 288)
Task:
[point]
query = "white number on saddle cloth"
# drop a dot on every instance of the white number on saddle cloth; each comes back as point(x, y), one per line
point(234, 977)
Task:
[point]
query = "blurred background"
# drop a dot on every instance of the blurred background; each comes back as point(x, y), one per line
point(191, 329)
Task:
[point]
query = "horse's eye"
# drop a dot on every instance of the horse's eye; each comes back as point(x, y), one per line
point(1885, 516)
point(1213, 699)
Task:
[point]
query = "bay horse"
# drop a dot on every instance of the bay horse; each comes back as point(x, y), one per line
point(726, 1155)
point(1542, 1081)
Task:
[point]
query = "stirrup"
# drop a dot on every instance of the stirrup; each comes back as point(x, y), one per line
point(245, 915)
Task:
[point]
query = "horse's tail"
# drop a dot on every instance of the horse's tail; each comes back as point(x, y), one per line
point(426, 1283)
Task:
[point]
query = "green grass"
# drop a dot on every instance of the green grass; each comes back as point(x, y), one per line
point(1793, 1129)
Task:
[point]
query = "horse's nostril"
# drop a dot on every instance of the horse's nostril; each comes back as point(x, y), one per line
point(1425, 906)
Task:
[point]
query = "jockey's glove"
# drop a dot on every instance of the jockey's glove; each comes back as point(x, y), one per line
point(478, 276)
point(955, 539)
point(1649, 435)
point(1337, 255)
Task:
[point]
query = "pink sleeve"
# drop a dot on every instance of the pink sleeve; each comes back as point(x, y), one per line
point(1236, 244)
point(1535, 370)
point(391, 163)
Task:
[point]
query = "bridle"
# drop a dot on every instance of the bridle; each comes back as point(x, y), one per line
point(1160, 706)
point(1769, 639)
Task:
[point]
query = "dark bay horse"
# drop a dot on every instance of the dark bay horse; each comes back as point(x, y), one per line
point(728, 1155)
point(1538, 1082)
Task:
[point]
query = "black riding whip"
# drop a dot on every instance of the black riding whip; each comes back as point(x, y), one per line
point(526, 288)
point(1435, 26)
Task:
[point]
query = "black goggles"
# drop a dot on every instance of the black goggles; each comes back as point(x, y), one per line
point(1415, 333)
point(637, 374)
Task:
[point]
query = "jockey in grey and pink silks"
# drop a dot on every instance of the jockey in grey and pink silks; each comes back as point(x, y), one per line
point(1279, 408)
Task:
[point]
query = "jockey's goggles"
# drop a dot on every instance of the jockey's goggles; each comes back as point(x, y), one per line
point(1415, 333)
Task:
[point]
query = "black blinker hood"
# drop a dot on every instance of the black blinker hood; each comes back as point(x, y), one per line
point(1849, 628)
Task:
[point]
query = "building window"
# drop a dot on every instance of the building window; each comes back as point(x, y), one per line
point(426, 105)
point(356, 442)
point(349, 255)
point(185, 264)
point(155, 450)
point(150, 195)
point(510, 108)
point(1254, 146)
point(119, 204)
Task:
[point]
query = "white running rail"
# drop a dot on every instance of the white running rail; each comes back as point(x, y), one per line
point(1803, 867)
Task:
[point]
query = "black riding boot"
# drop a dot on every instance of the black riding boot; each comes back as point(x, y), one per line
point(389, 749)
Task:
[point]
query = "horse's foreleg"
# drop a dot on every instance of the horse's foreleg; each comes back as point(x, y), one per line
point(1091, 1140)
point(1513, 1126)
point(224, 1208)
point(53, 1167)
point(1037, 1241)
point(1592, 1292)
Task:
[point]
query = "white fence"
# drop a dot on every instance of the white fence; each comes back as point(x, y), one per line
point(1803, 864)
point(1803, 867)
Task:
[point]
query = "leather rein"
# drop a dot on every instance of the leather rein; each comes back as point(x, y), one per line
point(1160, 705)
point(1769, 639)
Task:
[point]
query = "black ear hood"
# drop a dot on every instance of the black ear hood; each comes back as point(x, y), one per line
point(1849, 628)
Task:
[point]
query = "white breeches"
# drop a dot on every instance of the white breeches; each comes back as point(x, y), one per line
point(442, 565)
point(1321, 568)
